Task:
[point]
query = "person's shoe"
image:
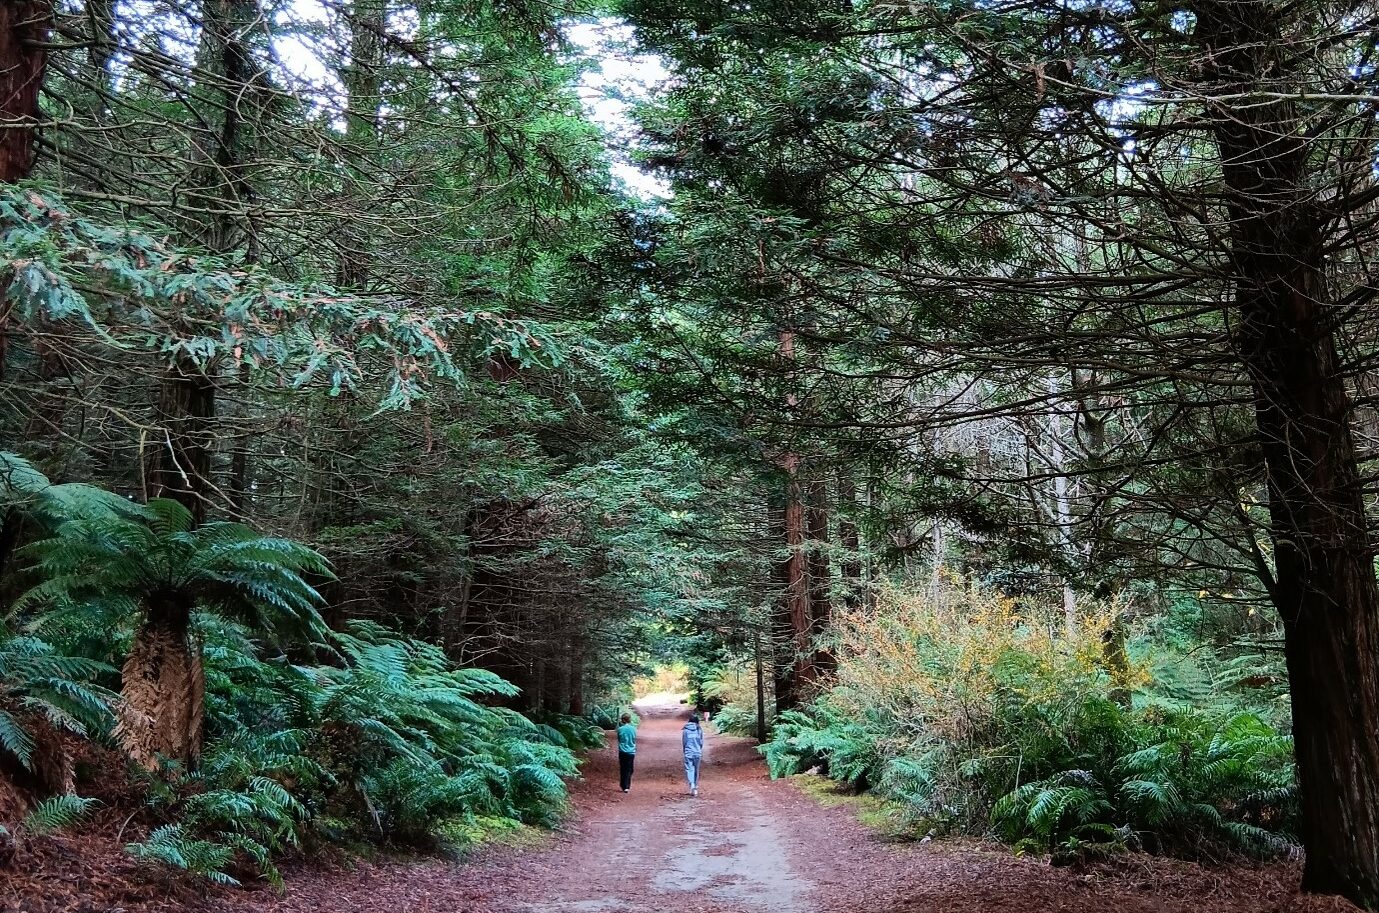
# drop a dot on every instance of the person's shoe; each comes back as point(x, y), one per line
point(695, 791)
point(625, 790)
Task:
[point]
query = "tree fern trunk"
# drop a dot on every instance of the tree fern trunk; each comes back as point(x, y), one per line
point(162, 691)
point(53, 765)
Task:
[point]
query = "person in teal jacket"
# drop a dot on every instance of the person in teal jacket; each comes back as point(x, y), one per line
point(627, 751)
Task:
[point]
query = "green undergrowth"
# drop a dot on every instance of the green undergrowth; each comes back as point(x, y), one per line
point(871, 809)
point(975, 718)
point(465, 835)
point(304, 739)
point(391, 747)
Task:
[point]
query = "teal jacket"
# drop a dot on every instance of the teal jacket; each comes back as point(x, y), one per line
point(627, 738)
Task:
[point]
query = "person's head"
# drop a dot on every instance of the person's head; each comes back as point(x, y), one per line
point(627, 717)
point(694, 717)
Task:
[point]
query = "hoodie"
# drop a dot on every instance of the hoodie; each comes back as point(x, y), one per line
point(627, 739)
point(692, 740)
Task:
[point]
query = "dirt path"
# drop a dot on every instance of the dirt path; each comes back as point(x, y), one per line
point(658, 848)
point(750, 845)
point(745, 845)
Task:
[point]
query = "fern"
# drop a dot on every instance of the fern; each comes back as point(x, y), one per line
point(15, 739)
point(58, 813)
point(112, 563)
point(38, 681)
point(1054, 809)
point(387, 741)
point(171, 846)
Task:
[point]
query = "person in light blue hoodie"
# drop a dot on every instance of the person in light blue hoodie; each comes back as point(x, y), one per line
point(692, 742)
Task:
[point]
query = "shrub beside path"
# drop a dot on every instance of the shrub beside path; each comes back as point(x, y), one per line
point(750, 845)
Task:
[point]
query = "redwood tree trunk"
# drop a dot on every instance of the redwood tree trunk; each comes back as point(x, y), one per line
point(577, 677)
point(180, 467)
point(1324, 584)
point(23, 61)
point(820, 574)
point(797, 576)
point(794, 666)
point(781, 656)
point(457, 613)
point(850, 541)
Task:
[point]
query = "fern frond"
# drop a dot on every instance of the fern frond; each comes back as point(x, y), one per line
point(58, 813)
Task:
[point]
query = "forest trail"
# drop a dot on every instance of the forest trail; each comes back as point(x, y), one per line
point(751, 845)
point(658, 848)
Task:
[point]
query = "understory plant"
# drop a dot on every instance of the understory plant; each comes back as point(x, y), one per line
point(389, 743)
point(256, 731)
point(154, 565)
point(979, 715)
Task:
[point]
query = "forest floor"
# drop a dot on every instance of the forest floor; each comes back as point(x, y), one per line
point(751, 845)
point(745, 845)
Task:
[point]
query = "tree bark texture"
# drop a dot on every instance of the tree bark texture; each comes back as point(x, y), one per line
point(162, 690)
point(796, 670)
point(1324, 584)
point(24, 28)
point(180, 466)
point(851, 542)
point(781, 656)
point(820, 574)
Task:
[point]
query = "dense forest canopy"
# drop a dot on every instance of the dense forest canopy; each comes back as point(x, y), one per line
point(967, 354)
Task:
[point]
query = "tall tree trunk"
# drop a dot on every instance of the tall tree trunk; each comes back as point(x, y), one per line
point(24, 29)
point(239, 486)
point(363, 81)
point(232, 99)
point(1324, 584)
point(10, 529)
point(180, 467)
point(820, 574)
point(22, 68)
point(47, 404)
point(795, 669)
point(162, 690)
point(782, 637)
point(577, 656)
point(457, 614)
point(186, 400)
point(102, 44)
point(1062, 503)
point(761, 687)
point(559, 701)
point(536, 694)
point(850, 541)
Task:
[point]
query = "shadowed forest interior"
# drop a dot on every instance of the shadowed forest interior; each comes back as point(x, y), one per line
point(971, 402)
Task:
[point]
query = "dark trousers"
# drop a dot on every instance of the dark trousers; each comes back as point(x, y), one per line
point(625, 769)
